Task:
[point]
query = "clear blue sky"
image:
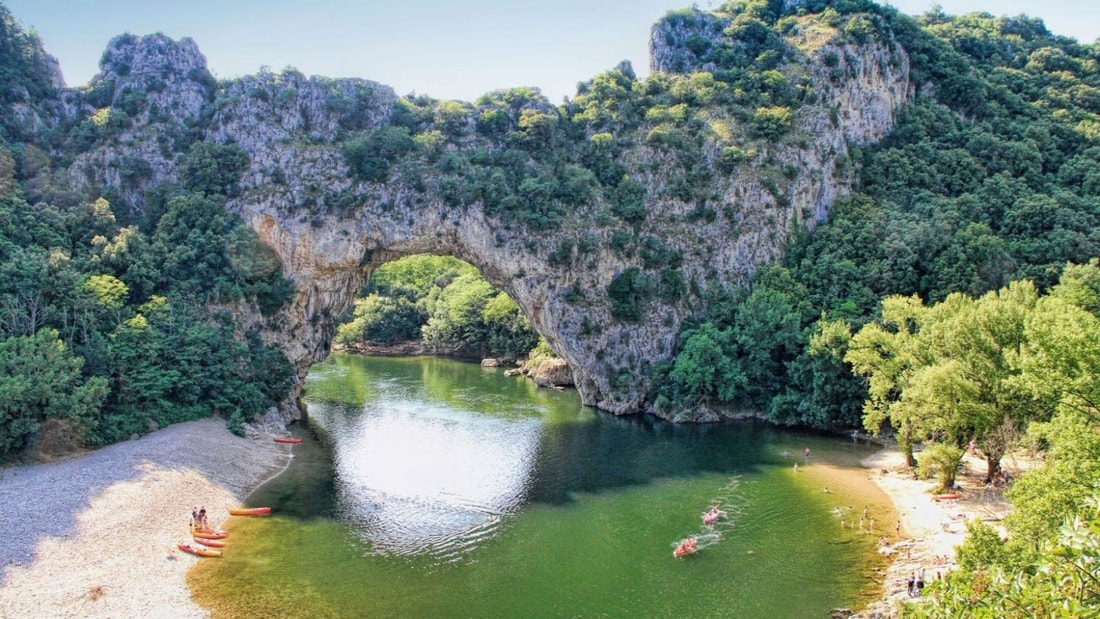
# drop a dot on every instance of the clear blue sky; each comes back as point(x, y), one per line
point(449, 50)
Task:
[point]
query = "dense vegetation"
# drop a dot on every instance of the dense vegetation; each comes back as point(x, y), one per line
point(994, 178)
point(113, 323)
point(1007, 370)
point(445, 303)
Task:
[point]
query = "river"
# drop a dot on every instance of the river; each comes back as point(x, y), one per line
point(433, 488)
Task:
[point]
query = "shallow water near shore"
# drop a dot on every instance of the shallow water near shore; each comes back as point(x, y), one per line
point(434, 488)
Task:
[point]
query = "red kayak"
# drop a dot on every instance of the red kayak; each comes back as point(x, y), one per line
point(951, 496)
point(210, 543)
point(288, 439)
point(250, 511)
point(712, 516)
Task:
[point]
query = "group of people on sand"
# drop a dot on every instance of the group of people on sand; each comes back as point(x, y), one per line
point(198, 518)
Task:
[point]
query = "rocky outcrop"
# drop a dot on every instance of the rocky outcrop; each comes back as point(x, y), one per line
point(553, 373)
point(331, 228)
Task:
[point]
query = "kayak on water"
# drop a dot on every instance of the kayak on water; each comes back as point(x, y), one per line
point(288, 439)
point(713, 515)
point(686, 547)
point(250, 511)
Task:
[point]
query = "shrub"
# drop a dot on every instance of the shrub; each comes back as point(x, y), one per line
point(628, 292)
point(772, 122)
point(370, 155)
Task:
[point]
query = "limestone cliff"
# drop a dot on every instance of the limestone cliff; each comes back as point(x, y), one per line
point(720, 194)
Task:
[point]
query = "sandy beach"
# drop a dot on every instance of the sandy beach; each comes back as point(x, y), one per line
point(930, 529)
point(95, 535)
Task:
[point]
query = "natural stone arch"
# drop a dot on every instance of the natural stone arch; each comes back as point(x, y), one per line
point(330, 227)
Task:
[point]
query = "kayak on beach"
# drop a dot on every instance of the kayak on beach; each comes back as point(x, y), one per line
point(950, 496)
point(210, 543)
point(288, 439)
point(209, 534)
point(199, 550)
point(250, 511)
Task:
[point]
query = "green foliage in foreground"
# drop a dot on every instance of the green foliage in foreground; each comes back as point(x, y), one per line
point(1051, 576)
point(442, 301)
point(986, 369)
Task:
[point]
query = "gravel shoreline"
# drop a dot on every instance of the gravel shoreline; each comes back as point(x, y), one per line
point(94, 535)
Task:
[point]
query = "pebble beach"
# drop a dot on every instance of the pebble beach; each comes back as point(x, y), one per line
point(94, 535)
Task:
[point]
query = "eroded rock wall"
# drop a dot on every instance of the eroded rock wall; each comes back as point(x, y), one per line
point(331, 230)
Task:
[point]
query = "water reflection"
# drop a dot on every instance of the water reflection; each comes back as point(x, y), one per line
point(434, 481)
point(421, 467)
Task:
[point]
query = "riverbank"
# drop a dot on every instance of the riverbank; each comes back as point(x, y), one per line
point(95, 535)
point(930, 530)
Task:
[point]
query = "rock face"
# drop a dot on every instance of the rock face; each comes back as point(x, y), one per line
point(553, 373)
point(330, 229)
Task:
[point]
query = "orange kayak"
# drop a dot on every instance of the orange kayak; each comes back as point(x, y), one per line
point(951, 496)
point(287, 439)
point(209, 534)
point(250, 511)
point(199, 550)
point(211, 543)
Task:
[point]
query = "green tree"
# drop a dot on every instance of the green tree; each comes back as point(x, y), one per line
point(213, 169)
point(888, 352)
point(703, 371)
point(41, 379)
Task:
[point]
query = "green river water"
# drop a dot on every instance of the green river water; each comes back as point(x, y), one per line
point(432, 488)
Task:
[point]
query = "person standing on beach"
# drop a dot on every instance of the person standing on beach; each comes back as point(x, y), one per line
point(912, 584)
point(194, 518)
